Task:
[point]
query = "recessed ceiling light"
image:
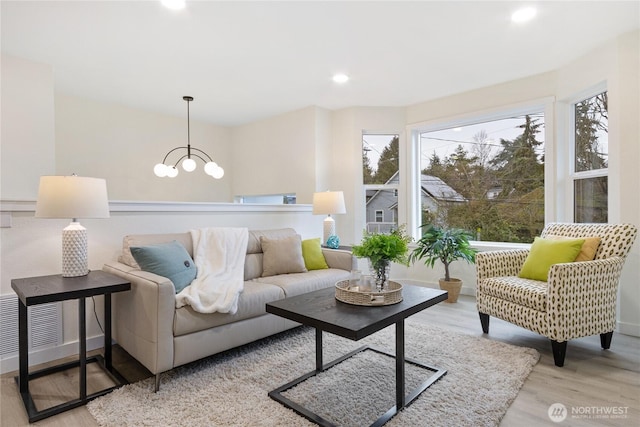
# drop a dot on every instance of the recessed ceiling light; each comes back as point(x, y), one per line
point(173, 4)
point(523, 15)
point(340, 78)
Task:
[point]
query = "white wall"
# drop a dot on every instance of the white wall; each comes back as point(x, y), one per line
point(27, 138)
point(276, 155)
point(123, 144)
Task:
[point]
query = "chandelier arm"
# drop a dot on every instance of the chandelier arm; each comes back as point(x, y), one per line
point(171, 151)
point(202, 152)
point(185, 157)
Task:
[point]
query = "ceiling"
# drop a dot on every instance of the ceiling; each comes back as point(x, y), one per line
point(244, 61)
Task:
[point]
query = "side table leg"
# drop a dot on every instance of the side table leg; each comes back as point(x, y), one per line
point(82, 332)
point(107, 332)
point(23, 348)
point(400, 395)
point(319, 363)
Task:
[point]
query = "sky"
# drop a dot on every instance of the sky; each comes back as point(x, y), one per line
point(444, 142)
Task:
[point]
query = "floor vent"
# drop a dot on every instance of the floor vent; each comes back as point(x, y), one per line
point(45, 325)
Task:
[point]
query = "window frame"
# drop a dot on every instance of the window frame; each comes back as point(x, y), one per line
point(573, 176)
point(376, 187)
point(410, 183)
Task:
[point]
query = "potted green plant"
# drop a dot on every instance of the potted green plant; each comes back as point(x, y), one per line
point(445, 245)
point(382, 250)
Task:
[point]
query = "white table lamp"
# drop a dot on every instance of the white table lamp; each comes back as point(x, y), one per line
point(73, 197)
point(327, 203)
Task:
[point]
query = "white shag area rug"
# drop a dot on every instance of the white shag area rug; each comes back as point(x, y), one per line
point(230, 389)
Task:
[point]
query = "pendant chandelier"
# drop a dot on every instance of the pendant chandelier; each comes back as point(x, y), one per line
point(188, 163)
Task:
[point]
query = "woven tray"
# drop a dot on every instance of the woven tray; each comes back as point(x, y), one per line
point(391, 296)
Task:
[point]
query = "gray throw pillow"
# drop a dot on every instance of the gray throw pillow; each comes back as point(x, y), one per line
point(170, 260)
point(282, 256)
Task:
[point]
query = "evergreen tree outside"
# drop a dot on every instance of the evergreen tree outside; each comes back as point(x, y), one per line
point(389, 162)
point(515, 172)
point(367, 172)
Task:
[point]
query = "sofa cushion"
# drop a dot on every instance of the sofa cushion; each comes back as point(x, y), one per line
point(151, 239)
point(250, 304)
point(254, 246)
point(545, 252)
point(282, 256)
point(312, 255)
point(253, 260)
point(300, 283)
point(170, 260)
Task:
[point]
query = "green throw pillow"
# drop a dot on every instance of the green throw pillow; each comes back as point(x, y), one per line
point(545, 252)
point(312, 254)
point(170, 260)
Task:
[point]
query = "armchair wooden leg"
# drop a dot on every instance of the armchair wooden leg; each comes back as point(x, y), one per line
point(559, 351)
point(484, 321)
point(605, 340)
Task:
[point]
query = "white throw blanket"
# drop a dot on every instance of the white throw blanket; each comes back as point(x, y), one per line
point(219, 254)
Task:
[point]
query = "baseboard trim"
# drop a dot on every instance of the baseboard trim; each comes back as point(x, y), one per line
point(629, 329)
point(465, 290)
point(11, 363)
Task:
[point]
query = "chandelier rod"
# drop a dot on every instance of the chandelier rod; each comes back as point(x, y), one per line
point(188, 99)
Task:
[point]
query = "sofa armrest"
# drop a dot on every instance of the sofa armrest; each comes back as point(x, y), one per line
point(500, 263)
point(143, 318)
point(582, 297)
point(339, 258)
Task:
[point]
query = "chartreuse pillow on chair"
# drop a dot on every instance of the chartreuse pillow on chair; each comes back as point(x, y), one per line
point(170, 260)
point(545, 252)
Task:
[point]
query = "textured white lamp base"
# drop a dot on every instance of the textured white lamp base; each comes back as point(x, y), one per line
point(329, 228)
point(74, 251)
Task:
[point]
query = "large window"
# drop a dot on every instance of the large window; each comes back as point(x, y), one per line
point(380, 165)
point(591, 155)
point(486, 177)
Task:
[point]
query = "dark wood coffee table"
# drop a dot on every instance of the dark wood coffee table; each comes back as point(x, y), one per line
point(322, 311)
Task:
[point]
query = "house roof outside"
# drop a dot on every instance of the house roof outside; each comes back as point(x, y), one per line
point(432, 186)
point(439, 190)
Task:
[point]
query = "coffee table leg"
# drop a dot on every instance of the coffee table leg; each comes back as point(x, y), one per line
point(319, 364)
point(400, 395)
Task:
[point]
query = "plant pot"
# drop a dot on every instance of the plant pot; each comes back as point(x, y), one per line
point(453, 287)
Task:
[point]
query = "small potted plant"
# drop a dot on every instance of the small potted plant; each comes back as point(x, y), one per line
point(382, 250)
point(445, 245)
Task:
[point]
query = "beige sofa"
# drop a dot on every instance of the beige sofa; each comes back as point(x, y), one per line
point(148, 326)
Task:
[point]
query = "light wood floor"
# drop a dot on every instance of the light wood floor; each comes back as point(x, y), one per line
point(591, 380)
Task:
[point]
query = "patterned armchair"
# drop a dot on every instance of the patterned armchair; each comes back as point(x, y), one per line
point(577, 300)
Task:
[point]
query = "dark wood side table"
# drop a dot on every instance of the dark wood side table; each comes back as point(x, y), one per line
point(46, 289)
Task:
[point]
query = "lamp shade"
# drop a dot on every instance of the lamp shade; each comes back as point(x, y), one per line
point(328, 202)
point(72, 197)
